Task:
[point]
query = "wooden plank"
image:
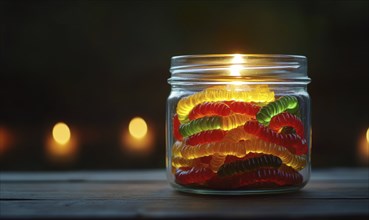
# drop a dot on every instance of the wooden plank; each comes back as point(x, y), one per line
point(336, 193)
point(118, 190)
point(319, 174)
point(186, 208)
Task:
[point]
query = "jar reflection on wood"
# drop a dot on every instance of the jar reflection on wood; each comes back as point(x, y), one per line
point(238, 124)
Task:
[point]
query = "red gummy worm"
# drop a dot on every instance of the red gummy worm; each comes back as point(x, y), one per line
point(277, 176)
point(194, 175)
point(205, 160)
point(176, 125)
point(209, 109)
point(206, 137)
point(280, 177)
point(244, 108)
point(287, 119)
point(292, 142)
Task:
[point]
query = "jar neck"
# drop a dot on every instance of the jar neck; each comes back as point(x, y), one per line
point(239, 69)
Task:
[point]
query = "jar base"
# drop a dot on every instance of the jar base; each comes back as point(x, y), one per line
point(235, 192)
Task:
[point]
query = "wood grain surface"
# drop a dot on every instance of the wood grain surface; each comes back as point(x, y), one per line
point(331, 193)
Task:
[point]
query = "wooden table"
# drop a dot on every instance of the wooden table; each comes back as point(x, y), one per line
point(334, 193)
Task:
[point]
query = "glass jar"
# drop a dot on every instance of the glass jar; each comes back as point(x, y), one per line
point(238, 124)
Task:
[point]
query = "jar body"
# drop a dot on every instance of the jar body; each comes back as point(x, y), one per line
point(233, 138)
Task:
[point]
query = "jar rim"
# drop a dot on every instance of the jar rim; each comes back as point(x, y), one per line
point(244, 55)
point(241, 67)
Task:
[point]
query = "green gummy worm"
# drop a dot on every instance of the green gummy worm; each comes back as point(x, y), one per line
point(280, 105)
point(199, 125)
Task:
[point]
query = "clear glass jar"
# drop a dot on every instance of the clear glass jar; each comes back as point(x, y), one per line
point(238, 124)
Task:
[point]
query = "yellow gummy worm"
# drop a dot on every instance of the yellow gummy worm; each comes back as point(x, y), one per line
point(234, 135)
point(239, 149)
point(178, 162)
point(217, 161)
point(182, 162)
point(237, 134)
point(257, 93)
point(233, 121)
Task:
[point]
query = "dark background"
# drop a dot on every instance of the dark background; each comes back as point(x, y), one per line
point(97, 64)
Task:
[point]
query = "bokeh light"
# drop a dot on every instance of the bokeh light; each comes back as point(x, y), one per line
point(138, 137)
point(137, 127)
point(61, 147)
point(4, 140)
point(363, 148)
point(61, 133)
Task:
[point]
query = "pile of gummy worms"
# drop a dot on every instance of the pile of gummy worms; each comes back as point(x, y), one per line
point(231, 139)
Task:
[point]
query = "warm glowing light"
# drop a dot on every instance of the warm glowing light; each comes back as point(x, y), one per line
point(60, 146)
point(4, 140)
point(363, 148)
point(138, 139)
point(237, 58)
point(137, 128)
point(236, 68)
point(61, 133)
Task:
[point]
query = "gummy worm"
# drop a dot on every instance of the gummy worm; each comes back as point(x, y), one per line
point(212, 123)
point(205, 160)
point(234, 135)
point(287, 119)
point(216, 162)
point(223, 109)
point(260, 93)
point(209, 109)
point(242, 166)
point(239, 149)
point(237, 134)
point(182, 162)
point(205, 137)
point(292, 142)
point(231, 159)
point(176, 148)
point(194, 175)
point(176, 125)
point(233, 121)
point(199, 125)
point(279, 177)
point(276, 107)
point(244, 108)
